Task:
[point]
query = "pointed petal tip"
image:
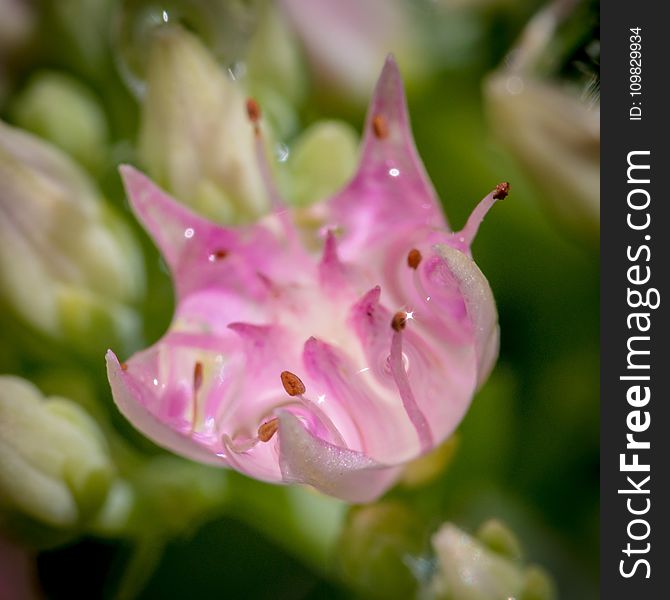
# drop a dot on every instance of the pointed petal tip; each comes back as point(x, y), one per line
point(390, 61)
point(111, 359)
point(372, 296)
point(390, 72)
point(130, 174)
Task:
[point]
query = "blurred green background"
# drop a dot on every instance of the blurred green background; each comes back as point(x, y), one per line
point(527, 453)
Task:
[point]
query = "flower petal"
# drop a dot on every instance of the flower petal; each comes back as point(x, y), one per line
point(391, 192)
point(479, 304)
point(201, 254)
point(339, 472)
point(367, 418)
point(128, 398)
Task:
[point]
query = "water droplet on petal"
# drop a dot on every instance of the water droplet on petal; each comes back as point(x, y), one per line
point(514, 85)
point(282, 152)
point(394, 172)
point(237, 70)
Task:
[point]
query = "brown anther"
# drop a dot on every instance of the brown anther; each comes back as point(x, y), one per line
point(399, 321)
point(124, 366)
point(380, 127)
point(414, 258)
point(268, 429)
point(219, 254)
point(253, 110)
point(502, 189)
point(197, 376)
point(292, 384)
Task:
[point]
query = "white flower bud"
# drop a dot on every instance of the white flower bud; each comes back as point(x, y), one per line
point(488, 568)
point(68, 265)
point(196, 139)
point(54, 463)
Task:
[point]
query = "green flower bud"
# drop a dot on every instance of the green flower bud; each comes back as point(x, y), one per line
point(321, 161)
point(500, 538)
point(195, 136)
point(69, 266)
point(273, 59)
point(54, 463)
point(62, 110)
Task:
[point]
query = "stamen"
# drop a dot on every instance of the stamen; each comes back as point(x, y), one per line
point(268, 429)
point(197, 384)
point(466, 236)
point(124, 366)
point(399, 374)
point(197, 377)
point(278, 205)
point(296, 388)
point(399, 321)
point(501, 191)
point(292, 384)
point(380, 127)
point(253, 110)
point(414, 259)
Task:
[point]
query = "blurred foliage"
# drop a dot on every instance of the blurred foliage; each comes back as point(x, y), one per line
point(527, 452)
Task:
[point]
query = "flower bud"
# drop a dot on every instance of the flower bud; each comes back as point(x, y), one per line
point(555, 137)
point(550, 128)
point(468, 569)
point(62, 110)
point(54, 466)
point(273, 58)
point(68, 265)
point(500, 539)
point(322, 160)
point(195, 136)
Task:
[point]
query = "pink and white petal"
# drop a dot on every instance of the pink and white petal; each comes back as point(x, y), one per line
point(201, 254)
point(336, 471)
point(440, 375)
point(128, 396)
point(267, 351)
point(261, 461)
point(479, 304)
point(369, 419)
point(391, 193)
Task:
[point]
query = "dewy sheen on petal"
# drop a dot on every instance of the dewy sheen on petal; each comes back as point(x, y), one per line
point(337, 471)
point(328, 360)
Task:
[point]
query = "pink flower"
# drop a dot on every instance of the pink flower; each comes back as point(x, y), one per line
point(329, 358)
